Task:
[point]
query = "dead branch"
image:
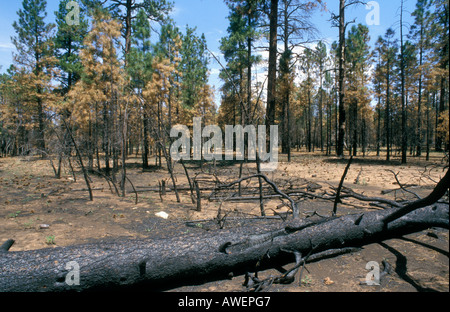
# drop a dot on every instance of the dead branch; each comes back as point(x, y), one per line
point(85, 189)
point(108, 179)
point(199, 197)
point(6, 246)
point(189, 180)
point(135, 192)
point(338, 192)
point(439, 191)
point(294, 207)
point(387, 191)
point(401, 185)
point(160, 190)
point(350, 193)
point(80, 159)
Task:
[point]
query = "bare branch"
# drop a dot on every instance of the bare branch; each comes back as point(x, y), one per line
point(439, 191)
point(338, 192)
point(274, 187)
point(401, 185)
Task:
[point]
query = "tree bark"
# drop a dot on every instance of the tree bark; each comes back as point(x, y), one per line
point(272, 70)
point(388, 113)
point(403, 98)
point(145, 142)
point(341, 54)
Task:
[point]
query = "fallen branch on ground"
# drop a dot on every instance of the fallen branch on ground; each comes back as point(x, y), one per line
point(337, 200)
point(401, 185)
point(294, 207)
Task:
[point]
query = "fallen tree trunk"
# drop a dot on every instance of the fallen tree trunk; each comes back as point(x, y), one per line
point(162, 263)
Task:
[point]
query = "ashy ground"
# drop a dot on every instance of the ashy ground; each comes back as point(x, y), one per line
point(39, 211)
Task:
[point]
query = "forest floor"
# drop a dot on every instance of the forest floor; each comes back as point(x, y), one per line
point(39, 211)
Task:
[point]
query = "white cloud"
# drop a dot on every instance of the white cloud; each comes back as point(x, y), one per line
point(7, 45)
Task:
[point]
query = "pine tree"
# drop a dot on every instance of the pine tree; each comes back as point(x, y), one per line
point(357, 97)
point(125, 11)
point(272, 72)
point(168, 49)
point(296, 29)
point(15, 114)
point(307, 67)
point(286, 85)
point(68, 42)
point(193, 67)
point(237, 49)
point(157, 95)
point(205, 106)
point(388, 48)
point(339, 21)
point(411, 77)
point(139, 68)
point(139, 57)
point(378, 87)
point(35, 62)
point(421, 34)
point(98, 95)
point(441, 32)
point(320, 60)
point(233, 49)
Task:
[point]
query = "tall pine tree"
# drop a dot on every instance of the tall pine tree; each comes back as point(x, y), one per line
point(96, 97)
point(357, 65)
point(68, 42)
point(35, 62)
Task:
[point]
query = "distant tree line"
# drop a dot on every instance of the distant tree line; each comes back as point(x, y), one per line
point(347, 98)
point(113, 86)
point(110, 81)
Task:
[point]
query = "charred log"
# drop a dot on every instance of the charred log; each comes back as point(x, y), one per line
point(162, 263)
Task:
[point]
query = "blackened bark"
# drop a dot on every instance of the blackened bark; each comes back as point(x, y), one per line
point(341, 54)
point(145, 147)
point(272, 70)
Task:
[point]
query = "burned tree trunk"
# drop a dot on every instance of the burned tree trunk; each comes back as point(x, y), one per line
point(162, 263)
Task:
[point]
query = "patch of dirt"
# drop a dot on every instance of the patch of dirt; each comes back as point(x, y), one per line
point(39, 211)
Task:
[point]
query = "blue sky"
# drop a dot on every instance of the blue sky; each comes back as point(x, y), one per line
point(210, 18)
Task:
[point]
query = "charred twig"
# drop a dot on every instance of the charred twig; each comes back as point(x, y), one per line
point(401, 185)
point(387, 191)
point(6, 246)
point(108, 179)
point(160, 190)
point(199, 196)
point(338, 192)
point(438, 192)
point(254, 284)
point(350, 193)
point(80, 159)
point(135, 192)
point(274, 187)
point(191, 188)
point(163, 187)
